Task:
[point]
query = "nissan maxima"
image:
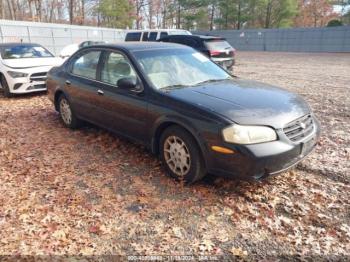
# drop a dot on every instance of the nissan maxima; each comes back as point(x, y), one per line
point(23, 67)
point(184, 108)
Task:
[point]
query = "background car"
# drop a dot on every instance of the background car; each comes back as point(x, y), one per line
point(68, 50)
point(152, 35)
point(216, 48)
point(23, 67)
point(185, 108)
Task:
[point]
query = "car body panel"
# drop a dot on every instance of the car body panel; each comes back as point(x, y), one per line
point(246, 102)
point(35, 68)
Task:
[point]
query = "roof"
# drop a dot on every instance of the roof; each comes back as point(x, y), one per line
point(204, 37)
point(16, 43)
point(138, 46)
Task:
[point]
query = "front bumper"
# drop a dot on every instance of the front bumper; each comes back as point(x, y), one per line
point(33, 82)
point(262, 160)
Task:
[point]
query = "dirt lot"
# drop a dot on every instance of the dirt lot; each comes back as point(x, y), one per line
point(90, 192)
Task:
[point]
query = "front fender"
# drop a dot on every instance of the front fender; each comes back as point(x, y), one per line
point(164, 121)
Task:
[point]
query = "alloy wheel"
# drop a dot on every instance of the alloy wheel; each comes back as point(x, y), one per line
point(177, 155)
point(65, 111)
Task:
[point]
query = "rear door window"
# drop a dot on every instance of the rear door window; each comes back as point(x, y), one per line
point(145, 36)
point(133, 36)
point(152, 36)
point(163, 34)
point(85, 64)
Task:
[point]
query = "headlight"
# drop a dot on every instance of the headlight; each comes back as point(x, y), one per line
point(17, 74)
point(238, 134)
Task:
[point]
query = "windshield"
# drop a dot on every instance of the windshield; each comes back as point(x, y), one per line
point(170, 68)
point(24, 51)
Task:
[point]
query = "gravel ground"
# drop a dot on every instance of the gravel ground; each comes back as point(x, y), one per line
point(90, 192)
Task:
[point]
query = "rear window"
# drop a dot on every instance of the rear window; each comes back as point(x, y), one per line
point(217, 44)
point(135, 36)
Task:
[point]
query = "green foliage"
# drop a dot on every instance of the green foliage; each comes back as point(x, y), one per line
point(117, 13)
point(334, 22)
point(256, 13)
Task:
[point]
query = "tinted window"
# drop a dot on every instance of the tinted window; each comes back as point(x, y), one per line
point(145, 36)
point(24, 51)
point(86, 64)
point(190, 42)
point(177, 40)
point(135, 36)
point(153, 36)
point(116, 66)
point(163, 34)
point(217, 44)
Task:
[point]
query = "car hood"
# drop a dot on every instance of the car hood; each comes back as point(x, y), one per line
point(23, 63)
point(245, 102)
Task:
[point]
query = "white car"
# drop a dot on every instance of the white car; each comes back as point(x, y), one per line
point(68, 50)
point(23, 67)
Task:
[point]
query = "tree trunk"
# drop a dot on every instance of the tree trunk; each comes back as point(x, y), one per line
point(10, 9)
point(226, 15)
point(164, 14)
point(150, 12)
point(178, 17)
point(268, 14)
point(212, 17)
point(239, 15)
point(71, 11)
point(82, 12)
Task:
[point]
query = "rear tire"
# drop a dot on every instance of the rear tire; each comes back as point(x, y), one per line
point(67, 115)
point(5, 87)
point(180, 155)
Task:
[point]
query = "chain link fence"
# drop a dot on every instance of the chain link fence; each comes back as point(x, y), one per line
point(327, 39)
point(55, 36)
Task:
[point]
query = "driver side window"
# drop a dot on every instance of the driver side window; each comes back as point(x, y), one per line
point(116, 67)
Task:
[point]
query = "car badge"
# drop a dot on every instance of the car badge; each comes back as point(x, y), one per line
point(302, 125)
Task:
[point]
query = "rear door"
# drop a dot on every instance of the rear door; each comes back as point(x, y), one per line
point(81, 84)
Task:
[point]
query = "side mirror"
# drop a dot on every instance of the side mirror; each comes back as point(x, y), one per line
point(130, 83)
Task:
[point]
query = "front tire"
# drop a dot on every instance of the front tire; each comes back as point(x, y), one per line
point(67, 115)
point(5, 87)
point(180, 155)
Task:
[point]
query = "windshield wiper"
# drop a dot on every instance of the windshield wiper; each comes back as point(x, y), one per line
point(177, 86)
point(212, 80)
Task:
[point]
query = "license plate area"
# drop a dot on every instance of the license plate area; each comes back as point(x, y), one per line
point(308, 145)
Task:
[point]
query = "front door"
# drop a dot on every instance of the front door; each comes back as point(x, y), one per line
point(122, 110)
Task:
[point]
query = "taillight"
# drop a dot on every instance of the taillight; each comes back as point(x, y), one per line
point(214, 53)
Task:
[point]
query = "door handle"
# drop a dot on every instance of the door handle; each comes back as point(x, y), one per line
point(68, 82)
point(100, 92)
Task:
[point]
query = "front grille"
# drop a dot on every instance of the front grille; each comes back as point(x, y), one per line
point(42, 86)
point(300, 128)
point(38, 76)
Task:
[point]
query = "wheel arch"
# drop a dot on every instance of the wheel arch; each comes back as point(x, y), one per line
point(58, 93)
point(162, 125)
